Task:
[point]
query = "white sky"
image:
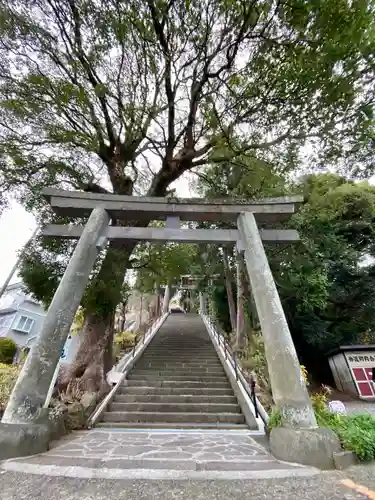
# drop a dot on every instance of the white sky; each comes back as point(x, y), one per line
point(17, 226)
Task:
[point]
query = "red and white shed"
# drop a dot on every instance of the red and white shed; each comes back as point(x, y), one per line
point(353, 368)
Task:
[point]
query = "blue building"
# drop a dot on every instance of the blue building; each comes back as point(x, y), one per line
point(21, 316)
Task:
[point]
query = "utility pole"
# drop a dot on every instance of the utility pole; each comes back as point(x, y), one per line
point(14, 268)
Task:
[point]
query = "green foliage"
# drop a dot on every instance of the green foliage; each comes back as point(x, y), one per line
point(326, 292)
point(274, 419)
point(220, 307)
point(245, 177)
point(78, 321)
point(105, 86)
point(253, 359)
point(356, 432)
point(8, 349)
point(8, 377)
point(164, 264)
point(90, 103)
point(124, 340)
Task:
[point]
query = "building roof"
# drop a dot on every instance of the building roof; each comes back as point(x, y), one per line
point(347, 348)
point(14, 286)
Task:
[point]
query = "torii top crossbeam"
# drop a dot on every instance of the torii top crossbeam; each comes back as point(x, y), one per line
point(77, 204)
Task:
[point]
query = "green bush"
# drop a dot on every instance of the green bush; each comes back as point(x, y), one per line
point(8, 349)
point(356, 432)
point(124, 340)
point(8, 377)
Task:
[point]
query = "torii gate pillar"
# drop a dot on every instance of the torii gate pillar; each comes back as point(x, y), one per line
point(300, 439)
point(30, 391)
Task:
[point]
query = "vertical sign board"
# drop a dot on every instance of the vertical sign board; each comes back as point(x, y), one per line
point(361, 364)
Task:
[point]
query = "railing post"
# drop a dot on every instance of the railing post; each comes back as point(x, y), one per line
point(253, 395)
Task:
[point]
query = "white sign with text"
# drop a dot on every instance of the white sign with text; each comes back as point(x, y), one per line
point(364, 359)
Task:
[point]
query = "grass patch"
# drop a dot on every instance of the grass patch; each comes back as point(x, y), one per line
point(125, 340)
point(8, 377)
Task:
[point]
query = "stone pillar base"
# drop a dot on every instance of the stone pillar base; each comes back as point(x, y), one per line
point(21, 440)
point(312, 447)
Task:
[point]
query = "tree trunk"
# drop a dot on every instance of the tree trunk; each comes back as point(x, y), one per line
point(240, 330)
point(254, 322)
point(93, 360)
point(228, 286)
point(94, 356)
point(158, 302)
point(123, 316)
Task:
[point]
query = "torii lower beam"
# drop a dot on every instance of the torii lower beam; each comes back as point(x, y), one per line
point(163, 235)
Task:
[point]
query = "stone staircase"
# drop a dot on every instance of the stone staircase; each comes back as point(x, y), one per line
point(179, 383)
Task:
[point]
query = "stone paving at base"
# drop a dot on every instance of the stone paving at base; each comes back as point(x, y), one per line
point(163, 446)
point(173, 453)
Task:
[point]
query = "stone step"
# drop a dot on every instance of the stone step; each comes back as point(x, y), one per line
point(175, 362)
point(176, 377)
point(177, 350)
point(172, 391)
point(241, 463)
point(172, 425)
point(170, 365)
point(178, 370)
point(181, 341)
point(174, 399)
point(208, 349)
point(177, 384)
point(183, 372)
point(175, 408)
point(134, 416)
point(176, 347)
point(182, 358)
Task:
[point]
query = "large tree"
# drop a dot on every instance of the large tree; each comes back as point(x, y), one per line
point(328, 280)
point(128, 96)
point(325, 280)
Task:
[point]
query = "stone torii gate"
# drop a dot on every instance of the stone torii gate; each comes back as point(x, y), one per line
point(288, 385)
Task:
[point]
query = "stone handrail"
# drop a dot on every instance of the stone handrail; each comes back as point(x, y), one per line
point(231, 359)
point(124, 366)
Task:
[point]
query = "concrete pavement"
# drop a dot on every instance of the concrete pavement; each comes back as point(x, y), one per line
point(326, 486)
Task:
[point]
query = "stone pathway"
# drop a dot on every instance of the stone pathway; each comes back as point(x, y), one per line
point(129, 454)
